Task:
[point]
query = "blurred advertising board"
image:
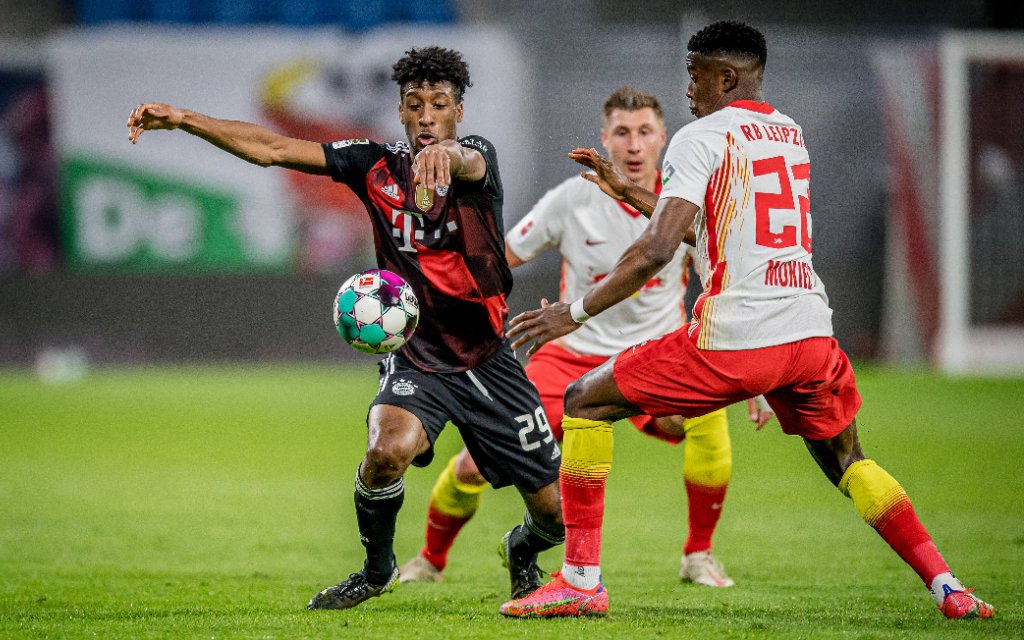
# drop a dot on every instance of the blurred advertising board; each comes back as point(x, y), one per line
point(175, 203)
point(28, 200)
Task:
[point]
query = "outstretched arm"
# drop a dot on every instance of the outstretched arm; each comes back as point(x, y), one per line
point(644, 258)
point(246, 140)
point(615, 183)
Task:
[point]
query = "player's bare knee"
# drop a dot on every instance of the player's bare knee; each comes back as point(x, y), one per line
point(385, 462)
point(577, 402)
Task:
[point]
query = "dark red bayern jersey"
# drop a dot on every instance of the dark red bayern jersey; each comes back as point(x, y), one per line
point(449, 245)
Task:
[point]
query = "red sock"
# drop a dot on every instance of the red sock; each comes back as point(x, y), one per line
point(900, 528)
point(583, 513)
point(441, 532)
point(705, 507)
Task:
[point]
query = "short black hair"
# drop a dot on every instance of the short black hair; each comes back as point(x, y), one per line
point(730, 37)
point(433, 65)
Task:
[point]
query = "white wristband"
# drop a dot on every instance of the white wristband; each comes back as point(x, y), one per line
point(762, 404)
point(578, 313)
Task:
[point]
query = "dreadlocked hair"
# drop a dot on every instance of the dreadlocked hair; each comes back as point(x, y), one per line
point(730, 37)
point(433, 65)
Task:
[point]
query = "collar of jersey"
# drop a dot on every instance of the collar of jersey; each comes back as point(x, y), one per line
point(750, 105)
point(633, 212)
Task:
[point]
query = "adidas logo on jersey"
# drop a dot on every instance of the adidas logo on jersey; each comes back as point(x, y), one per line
point(390, 190)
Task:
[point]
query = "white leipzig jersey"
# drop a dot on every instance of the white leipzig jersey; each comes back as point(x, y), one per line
point(591, 231)
point(746, 166)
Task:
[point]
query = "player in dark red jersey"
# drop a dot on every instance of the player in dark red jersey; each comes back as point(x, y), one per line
point(435, 204)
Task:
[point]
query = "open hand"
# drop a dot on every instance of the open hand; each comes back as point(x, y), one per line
point(152, 115)
point(606, 175)
point(541, 325)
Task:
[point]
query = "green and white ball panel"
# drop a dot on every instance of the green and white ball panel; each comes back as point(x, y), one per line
point(376, 311)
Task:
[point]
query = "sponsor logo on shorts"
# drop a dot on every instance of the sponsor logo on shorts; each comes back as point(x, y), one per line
point(403, 387)
point(442, 191)
point(556, 453)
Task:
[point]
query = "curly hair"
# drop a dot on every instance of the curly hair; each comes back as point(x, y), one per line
point(433, 65)
point(630, 99)
point(730, 37)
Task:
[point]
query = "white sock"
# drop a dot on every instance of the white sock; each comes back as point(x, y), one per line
point(943, 584)
point(581, 577)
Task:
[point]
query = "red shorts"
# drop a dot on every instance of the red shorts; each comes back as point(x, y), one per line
point(553, 368)
point(808, 383)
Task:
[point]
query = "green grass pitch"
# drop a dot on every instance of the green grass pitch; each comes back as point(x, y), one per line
point(213, 502)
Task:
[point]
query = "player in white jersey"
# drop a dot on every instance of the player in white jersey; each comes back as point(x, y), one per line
point(739, 178)
point(591, 231)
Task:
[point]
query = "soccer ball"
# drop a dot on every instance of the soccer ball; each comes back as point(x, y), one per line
point(376, 311)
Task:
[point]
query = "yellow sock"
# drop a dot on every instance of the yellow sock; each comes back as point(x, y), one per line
point(586, 462)
point(454, 498)
point(874, 492)
point(586, 448)
point(707, 459)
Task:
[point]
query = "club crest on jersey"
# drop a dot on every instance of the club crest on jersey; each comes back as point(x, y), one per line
point(390, 190)
point(424, 198)
point(403, 387)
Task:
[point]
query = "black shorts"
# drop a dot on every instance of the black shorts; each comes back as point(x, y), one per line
point(496, 409)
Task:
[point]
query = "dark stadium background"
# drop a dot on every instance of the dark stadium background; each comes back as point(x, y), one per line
point(577, 53)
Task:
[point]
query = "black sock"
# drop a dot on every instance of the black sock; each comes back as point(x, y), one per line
point(376, 513)
point(529, 539)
